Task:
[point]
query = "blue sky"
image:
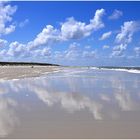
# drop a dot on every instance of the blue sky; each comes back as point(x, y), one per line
point(71, 33)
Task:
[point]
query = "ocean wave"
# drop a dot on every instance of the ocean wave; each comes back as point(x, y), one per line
point(117, 69)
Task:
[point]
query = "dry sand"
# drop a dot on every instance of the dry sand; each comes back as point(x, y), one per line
point(17, 72)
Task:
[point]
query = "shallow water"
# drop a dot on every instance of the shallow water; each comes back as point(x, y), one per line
point(72, 103)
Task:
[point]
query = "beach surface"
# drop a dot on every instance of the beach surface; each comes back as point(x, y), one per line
point(18, 72)
point(66, 102)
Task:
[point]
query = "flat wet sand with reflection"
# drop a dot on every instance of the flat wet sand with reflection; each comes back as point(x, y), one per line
point(72, 103)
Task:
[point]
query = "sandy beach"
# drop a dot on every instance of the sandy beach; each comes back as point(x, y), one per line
point(17, 72)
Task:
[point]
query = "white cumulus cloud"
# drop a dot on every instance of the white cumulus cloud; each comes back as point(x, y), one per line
point(6, 12)
point(116, 14)
point(127, 31)
point(106, 47)
point(72, 29)
point(48, 36)
point(3, 42)
point(16, 49)
point(119, 50)
point(137, 51)
point(23, 23)
point(89, 54)
point(73, 51)
point(105, 35)
point(125, 37)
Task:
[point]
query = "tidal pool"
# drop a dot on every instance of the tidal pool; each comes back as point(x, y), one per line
point(71, 103)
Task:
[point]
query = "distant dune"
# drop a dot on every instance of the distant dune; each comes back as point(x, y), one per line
point(27, 63)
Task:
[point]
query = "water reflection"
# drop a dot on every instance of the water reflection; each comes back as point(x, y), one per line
point(8, 118)
point(104, 95)
point(71, 102)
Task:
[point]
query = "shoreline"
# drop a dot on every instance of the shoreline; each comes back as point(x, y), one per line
point(10, 72)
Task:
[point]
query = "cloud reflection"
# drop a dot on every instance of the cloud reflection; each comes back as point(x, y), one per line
point(8, 119)
point(124, 97)
point(71, 102)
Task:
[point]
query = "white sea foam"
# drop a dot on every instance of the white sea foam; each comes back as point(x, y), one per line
point(117, 69)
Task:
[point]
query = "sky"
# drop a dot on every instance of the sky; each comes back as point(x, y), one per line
point(71, 33)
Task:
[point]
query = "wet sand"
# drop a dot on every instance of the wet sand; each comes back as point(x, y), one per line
point(71, 103)
point(17, 72)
